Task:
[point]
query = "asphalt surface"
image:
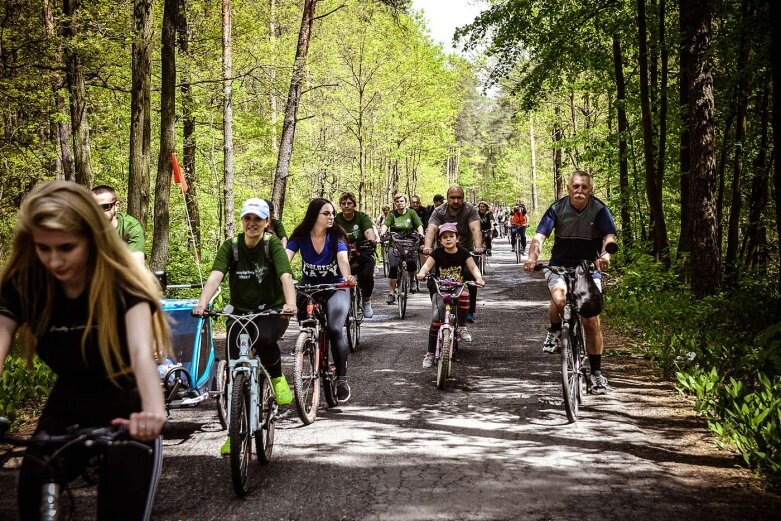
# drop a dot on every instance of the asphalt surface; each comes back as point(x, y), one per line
point(495, 445)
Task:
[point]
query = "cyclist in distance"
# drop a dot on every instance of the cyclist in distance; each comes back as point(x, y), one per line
point(583, 226)
point(127, 227)
point(325, 260)
point(469, 235)
point(358, 227)
point(451, 261)
point(275, 226)
point(401, 220)
point(259, 277)
point(81, 303)
point(519, 221)
point(486, 224)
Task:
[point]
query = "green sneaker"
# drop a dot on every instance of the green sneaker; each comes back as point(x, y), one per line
point(282, 390)
point(225, 450)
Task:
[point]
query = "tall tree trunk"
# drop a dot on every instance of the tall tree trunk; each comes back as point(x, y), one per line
point(272, 75)
point(721, 167)
point(227, 122)
point(533, 146)
point(706, 272)
point(662, 151)
point(653, 186)
point(623, 160)
point(756, 234)
point(741, 96)
point(291, 107)
point(140, 112)
point(57, 82)
point(684, 156)
point(775, 58)
point(188, 129)
point(78, 97)
point(558, 135)
point(167, 137)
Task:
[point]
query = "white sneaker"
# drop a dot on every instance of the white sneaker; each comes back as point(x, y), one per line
point(368, 312)
point(551, 344)
point(598, 383)
point(428, 361)
point(464, 334)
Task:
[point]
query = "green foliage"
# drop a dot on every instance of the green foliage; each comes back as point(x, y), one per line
point(21, 387)
point(724, 350)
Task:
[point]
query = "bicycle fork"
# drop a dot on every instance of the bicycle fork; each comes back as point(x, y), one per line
point(250, 365)
point(447, 323)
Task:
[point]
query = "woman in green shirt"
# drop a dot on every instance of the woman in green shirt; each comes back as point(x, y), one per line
point(402, 220)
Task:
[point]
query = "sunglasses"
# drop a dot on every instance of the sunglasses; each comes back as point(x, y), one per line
point(328, 214)
point(108, 206)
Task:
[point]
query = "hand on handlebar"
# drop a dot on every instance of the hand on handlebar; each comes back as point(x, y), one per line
point(198, 310)
point(530, 265)
point(143, 426)
point(289, 309)
point(350, 279)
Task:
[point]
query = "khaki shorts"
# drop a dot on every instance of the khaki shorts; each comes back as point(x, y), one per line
point(556, 280)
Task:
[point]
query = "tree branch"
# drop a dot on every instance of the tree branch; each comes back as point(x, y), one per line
point(332, 11)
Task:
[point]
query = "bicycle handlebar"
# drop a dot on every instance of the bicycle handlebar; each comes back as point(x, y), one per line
point(610, 248)
point(244, 316)
point(450, 283)
point(324, 287)
point(92, 436)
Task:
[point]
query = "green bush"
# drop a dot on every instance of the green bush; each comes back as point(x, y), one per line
point(21, 387)
point(725, 351)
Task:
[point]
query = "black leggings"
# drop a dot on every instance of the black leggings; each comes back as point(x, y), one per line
point(126, 487)
point(266, 345)
point(363, 268)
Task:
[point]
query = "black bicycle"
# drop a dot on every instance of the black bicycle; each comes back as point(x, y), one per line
point(575, 380)
point(355, 315)
point(97, 439)
point(405, 247)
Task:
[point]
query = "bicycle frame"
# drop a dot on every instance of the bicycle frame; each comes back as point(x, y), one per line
point(450, 319)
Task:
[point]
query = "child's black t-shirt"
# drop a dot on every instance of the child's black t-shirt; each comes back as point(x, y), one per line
point(450, 265)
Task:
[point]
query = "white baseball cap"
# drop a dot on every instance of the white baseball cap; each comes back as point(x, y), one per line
point(255, 206)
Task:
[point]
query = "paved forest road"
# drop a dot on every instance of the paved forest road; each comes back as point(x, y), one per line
point(495, 445)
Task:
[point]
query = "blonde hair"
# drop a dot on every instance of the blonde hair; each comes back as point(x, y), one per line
point(398, 196)
point(69, 207)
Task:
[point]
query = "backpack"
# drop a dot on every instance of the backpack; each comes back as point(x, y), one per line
point(235, 251)
point(588, 298)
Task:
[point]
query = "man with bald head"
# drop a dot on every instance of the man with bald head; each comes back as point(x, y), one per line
point(467, 220)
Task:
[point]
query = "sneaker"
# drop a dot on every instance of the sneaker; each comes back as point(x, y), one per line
point(391, 299)
point(368, 312)
point(464, 334)
point(413, 288)
point(225, 450)
point(428, 361)
point(342, 390)
point(551, 344)
point(598, 383)
point(470, 317)
point(282, 390)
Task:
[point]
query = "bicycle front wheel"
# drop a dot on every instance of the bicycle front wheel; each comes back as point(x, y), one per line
point(403, 289)
point(240, 434)
point(570, 373)
point(306, 377)
point(443, 365)
point(264, 437)
point(352, 324)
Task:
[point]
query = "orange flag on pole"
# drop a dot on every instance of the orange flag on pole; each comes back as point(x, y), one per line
point(178, 175)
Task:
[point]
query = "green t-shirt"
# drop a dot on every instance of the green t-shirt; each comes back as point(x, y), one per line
point(130, 231)
point(278, 229)
point(406, 222)
point(485, 220)
point(254, 282)
point(355, 228)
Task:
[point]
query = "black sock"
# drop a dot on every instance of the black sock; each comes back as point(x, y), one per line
point(596, 363)
point(554, 327)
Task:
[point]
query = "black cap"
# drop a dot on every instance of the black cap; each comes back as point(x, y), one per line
point(270, 205)
point(438, 197)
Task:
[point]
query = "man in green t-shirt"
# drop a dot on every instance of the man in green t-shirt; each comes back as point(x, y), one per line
point(259, 277)
point(358, 227)
point(128, 228)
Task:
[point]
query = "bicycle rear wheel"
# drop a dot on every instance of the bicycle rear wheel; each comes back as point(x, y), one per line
point(221, 385)
point(240, 435)
point(403, 289)
point(352, 324)
point(306, 377)
point(264, 437)
point(570, 373)
point(443, 365)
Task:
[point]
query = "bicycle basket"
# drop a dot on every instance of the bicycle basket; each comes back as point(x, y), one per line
point(405, 249)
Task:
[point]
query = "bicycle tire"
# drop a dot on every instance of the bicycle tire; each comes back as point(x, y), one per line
point(402, 289)
point(585, 383)
point(221, 384)
point(306, 377)
point(264, 436)
point(570, 374)
point(351, 324)
point(443, 364)
point(329, 387)
point(240, 435)
point(384, 261)
point(518, 250)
